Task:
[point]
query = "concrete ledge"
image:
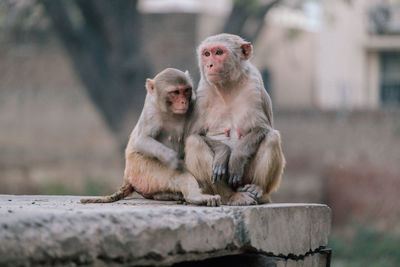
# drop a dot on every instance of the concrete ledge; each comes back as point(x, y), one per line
point(56, 230)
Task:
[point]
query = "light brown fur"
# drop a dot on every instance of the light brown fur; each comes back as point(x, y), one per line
point(154, 164)
point(235, 100)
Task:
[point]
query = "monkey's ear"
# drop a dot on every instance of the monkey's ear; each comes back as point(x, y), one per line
point(247, 49)
point(188, 76)
point(150, 86)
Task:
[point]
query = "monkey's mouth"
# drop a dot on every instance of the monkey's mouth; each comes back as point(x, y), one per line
point(215, 77)
point(219, 74)
point(179, 110)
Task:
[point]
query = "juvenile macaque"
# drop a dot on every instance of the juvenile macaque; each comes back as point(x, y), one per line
point(154, 165)
point(233, 149)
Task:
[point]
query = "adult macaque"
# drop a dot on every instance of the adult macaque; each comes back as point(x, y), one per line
point(154, 155)
point(233, 149)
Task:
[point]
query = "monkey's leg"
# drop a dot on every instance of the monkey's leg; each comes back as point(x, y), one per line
point(199, 160)
point(191, 191)
point(152, 178)
point(266, 168)
point(168, 196)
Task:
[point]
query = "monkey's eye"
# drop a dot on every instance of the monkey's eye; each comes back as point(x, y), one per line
point(176, 92)
point(219, 52)
point(207, 54)
point(187, 90)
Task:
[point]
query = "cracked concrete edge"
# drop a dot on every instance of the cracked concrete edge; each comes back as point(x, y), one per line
point(295, 230)
point(315, 260)
point(138, 232)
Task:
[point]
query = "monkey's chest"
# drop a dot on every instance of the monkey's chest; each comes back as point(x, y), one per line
point(227, 127)
point(172, 140)
point(230, 140)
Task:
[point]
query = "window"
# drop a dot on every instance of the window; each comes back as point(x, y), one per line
point(390, 78)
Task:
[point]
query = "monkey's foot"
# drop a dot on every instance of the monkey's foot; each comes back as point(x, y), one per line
point(254, 190)
point(265, 199)
point(242, 199)
point(204, 199)
point(168, 196)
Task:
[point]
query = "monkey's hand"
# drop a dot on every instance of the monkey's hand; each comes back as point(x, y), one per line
point(221, 158)
point(174, 162)
point(243, 152)
point(237, 162)
point(220, 162)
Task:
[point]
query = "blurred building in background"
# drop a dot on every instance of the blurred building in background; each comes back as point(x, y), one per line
point(329, 55)
point(333, 55)
point(359, 65)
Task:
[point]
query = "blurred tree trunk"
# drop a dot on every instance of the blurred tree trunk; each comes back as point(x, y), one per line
point(103, 40)
point(247, 18)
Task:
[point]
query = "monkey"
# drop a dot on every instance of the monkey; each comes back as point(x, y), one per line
point(154, 165)
point(231, 146)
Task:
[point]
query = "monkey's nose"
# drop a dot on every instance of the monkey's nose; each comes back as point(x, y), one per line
point(210, 66)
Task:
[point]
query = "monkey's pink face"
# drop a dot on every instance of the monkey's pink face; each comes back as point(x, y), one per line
point(214, 57)
point(179, 99)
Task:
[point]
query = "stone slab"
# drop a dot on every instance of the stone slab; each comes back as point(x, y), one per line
point(42, 230)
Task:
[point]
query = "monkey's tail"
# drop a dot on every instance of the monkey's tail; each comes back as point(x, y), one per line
point(124, 191)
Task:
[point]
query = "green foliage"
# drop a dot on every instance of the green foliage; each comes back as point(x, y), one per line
point(367, 248)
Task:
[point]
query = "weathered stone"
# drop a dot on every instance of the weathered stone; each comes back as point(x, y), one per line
point(42, 230)
point(288, 228)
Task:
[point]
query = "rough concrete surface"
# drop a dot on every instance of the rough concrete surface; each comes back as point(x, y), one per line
point(57, 230)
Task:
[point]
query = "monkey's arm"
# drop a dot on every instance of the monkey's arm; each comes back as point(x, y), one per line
point(221, 158)
point(243, 152)
point(267, 106)
point(221, 150)
point(150, 147)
